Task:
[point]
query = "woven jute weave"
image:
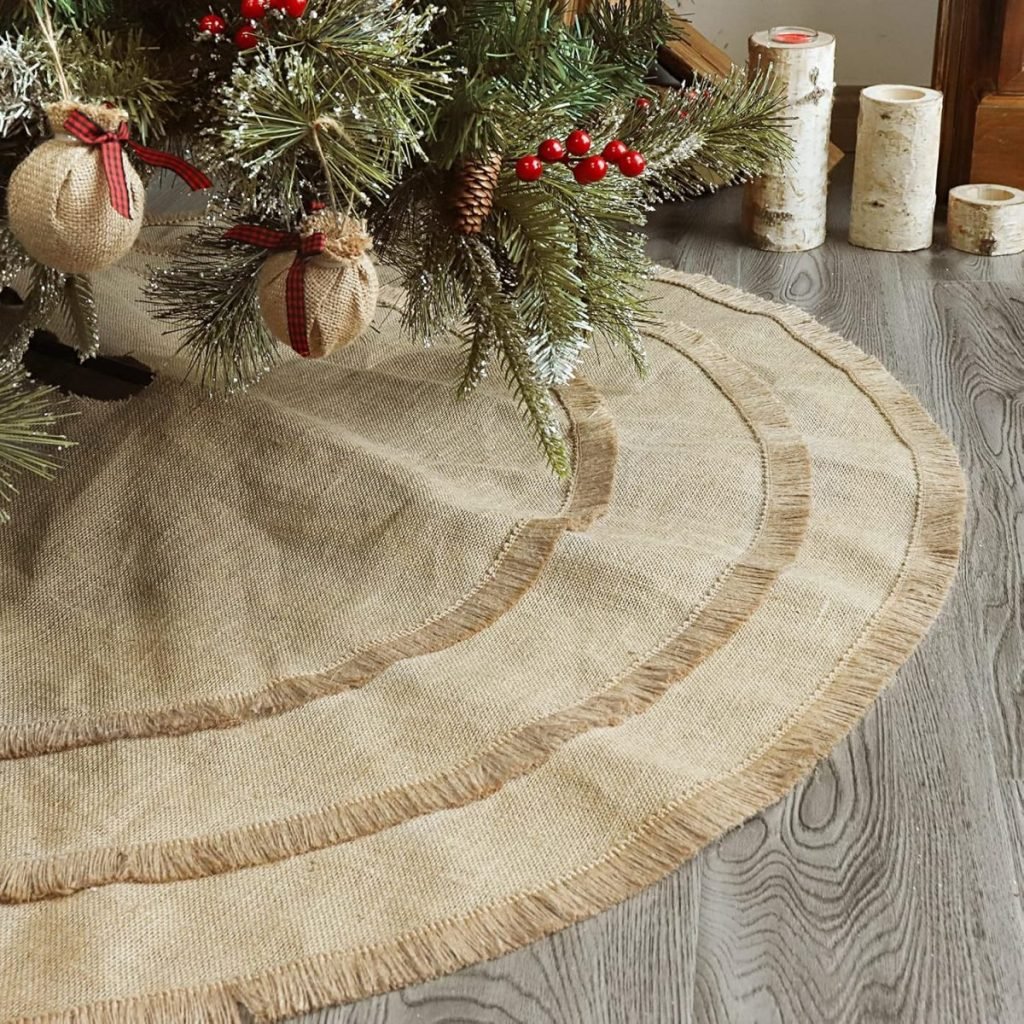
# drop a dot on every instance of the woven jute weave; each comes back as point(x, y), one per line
point(58, 202)
point(332, 688)
point(340, 286)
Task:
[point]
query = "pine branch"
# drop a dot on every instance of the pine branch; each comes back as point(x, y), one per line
point(478, 351)
point(539, 241)
point(28, 414)
point(81, 12)
point(454, 286)
point(593, 287)
point(336, 106)
point(209, 294)
point(717, 132)
point(44, 295)
point(125, 68)
point(526, 75)
point(628, 34)
point(535, 402)
point(21, 82)
point(413, 234)
point(81, 315)
point(13, 259)
point(494, 322)
point(73, 12)
point(617, 301)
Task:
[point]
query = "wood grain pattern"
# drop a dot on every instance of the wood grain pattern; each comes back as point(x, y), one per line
point(690, 52)
point(999, 141)
point(887, 887)
point(965, 66)
point(1011, 60)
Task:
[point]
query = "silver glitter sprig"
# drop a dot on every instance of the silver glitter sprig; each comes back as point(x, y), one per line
point(21, 82)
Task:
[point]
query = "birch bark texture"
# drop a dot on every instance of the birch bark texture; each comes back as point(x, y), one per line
point(987, 220)
point(896, 166)
point(784, 211)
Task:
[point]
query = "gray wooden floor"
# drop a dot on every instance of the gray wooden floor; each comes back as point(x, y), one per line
point(888, 886)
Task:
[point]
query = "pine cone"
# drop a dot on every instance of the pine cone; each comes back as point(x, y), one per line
point(473, 194)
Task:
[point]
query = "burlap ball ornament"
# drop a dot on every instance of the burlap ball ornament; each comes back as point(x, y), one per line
point(58, 199)
point(340, 287)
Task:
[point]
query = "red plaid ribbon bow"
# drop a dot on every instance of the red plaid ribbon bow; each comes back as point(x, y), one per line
point(306, 247)
point(86, 130)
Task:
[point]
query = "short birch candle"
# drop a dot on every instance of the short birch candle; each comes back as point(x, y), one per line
point(987, 220)
point(896, 166)
point(784, 211)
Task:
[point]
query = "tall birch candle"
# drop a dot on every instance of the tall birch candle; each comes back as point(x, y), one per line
point(784, 211)
point(895, 171)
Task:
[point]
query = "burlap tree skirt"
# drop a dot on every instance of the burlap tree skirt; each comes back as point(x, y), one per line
point(331, 688)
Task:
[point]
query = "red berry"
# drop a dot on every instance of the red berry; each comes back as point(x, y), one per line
point(592, 169)
point(246, 38)
point(551, 151)
point(643, 103)
point(578, 142)
point(212, 23)
point(295, 8)
point(253, 9)
point(632, 164)
point(615, 151)
point(529, 168)
point(277, 5)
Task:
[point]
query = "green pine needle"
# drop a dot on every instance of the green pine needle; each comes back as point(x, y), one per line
point(209, 294)
point(336, 108)
point(28, 440)
point(81, 315)
point(495, 322)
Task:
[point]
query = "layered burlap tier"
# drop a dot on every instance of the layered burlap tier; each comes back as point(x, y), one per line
point(331, 688)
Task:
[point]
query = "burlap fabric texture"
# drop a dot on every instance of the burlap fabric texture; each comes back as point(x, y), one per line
point(58, 203)
point(341, 285)
point(312, 764)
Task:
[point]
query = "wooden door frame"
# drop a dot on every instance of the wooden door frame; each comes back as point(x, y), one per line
point(1011, 64)
point(968, 43)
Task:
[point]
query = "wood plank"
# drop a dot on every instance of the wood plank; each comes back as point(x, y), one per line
point(1013, 796)
point(690, 52)
point(966, 59)
point(849, 901)
point(845, 110)
point(1011, 59)
point(716, 248)
point(981, 330)
point(998, 155)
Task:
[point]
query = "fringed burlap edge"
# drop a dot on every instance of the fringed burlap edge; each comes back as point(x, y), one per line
point(734, 595)
point(682, 827)
point(518, 565)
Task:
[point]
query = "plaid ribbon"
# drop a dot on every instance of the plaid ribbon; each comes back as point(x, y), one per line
point(88, 131)
point(306, 247)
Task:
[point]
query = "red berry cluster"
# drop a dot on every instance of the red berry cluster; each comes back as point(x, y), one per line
point(586, 169)
point(245, 36)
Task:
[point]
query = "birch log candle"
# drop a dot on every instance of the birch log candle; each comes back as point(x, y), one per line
point(784, 211)
point(895, 169)
point(987, 220)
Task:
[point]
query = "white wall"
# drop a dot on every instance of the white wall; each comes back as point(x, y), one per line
point(876, 40)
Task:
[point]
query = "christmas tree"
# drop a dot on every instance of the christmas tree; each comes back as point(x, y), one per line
point(500, 155)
